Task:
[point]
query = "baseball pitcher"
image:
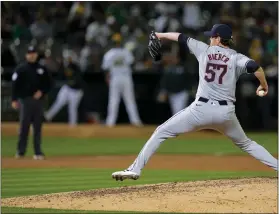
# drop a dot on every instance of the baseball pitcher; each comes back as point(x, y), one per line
point(118, 62)
point(219, 69)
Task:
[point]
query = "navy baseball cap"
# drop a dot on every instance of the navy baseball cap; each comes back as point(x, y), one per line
point(222, 30)
point(32, 49)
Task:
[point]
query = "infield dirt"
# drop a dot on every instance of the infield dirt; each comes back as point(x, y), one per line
point(255, 195)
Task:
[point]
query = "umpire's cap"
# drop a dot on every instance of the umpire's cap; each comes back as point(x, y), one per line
point(222, 30)
point(32, 49)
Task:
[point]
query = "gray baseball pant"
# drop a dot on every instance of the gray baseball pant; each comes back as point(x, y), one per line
point(198, 116)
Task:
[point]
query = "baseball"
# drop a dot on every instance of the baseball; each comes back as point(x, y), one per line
point(261, 93)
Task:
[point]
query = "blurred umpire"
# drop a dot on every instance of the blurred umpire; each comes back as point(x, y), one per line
point(30, 82)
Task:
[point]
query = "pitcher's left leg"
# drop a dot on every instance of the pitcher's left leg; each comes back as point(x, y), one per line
point(182, 122)
point(234, 131)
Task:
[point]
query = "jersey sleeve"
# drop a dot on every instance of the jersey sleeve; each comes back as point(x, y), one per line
point(106, 61)
point(194, 46)
point(129, 58)
point(241, 63)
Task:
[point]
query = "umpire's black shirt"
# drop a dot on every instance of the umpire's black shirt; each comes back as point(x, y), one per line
point(28, 78)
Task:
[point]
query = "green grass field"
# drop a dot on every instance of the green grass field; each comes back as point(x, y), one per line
point(20, 182)
point(55, 146)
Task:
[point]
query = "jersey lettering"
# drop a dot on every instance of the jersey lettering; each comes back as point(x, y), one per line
point(212, 69)
point(221, 57)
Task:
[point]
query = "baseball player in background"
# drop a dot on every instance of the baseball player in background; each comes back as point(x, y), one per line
point(175, 85)
point(71, 92)
point(219, 69)
point(117, 61)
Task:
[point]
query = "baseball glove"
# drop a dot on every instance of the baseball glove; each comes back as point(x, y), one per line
point(154, 47)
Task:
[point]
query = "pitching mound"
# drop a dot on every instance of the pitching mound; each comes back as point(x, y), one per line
point(255, 195)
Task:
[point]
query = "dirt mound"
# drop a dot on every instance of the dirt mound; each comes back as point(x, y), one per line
point(256, 195)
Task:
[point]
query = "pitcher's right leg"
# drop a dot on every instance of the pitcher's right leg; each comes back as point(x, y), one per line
point(234, 131)
point(182, 122)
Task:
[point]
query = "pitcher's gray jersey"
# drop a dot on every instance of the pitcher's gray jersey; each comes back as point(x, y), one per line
point(219, 69)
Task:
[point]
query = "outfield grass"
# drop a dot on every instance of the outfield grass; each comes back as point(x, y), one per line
point(63, 146)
